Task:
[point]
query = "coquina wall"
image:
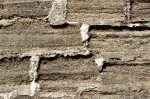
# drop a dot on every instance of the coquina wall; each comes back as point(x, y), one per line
point(42, 61)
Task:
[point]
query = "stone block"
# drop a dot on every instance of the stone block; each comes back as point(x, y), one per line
point(57, 15)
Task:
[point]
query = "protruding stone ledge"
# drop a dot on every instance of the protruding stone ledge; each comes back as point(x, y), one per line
point(53, 53)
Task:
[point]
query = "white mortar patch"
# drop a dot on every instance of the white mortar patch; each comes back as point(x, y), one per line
point(34, 88)
point(84, 32)
point(33, 67)
point(100, 62)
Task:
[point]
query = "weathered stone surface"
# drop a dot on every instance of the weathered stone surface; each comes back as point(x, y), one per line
point(20, 37)
point(15, 71)
point(64, 68)
point(89, 11)
point(57, 15)
point(140, 10)
point(25, 8)
point(128, 58)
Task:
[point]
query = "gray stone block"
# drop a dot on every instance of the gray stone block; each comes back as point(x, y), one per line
point(57, 15)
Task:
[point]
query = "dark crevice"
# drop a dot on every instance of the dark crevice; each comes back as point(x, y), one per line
point(6, 59)
point(126, 64)
point(106, 27)
point(108, 93)
point(60, 26)
point(79, 56)
point(38, 76)
point(118, 28)
point(141, 1)
point(140, 22)
point(43, 59)
point(16, 58)
point(104, 67)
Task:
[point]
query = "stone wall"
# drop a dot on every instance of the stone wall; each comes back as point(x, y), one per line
point(39, 60)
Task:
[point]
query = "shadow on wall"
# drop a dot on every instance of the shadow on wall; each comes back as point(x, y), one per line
point(59, 26)
point(142, 1)
point(119, 28)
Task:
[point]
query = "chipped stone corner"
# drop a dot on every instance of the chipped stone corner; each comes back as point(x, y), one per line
point(58, 12)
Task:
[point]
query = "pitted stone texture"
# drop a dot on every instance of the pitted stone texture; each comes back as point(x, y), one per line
point(25, 8)
point(57, 15)
point(140, 10)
